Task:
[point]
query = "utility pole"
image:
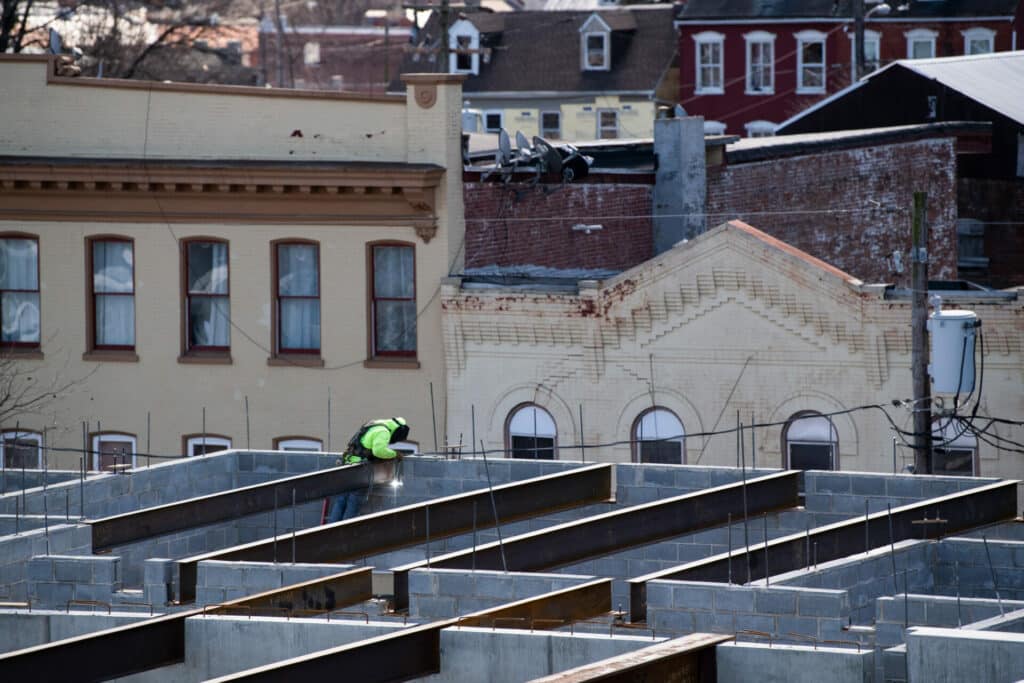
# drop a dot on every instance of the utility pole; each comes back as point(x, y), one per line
point(858, 39)
point(279, 53)
point(922, 405)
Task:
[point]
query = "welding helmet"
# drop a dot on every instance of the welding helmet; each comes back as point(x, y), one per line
point(401, 432)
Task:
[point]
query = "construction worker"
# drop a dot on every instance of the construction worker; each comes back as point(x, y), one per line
point(371, 442)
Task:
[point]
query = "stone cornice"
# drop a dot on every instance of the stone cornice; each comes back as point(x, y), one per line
point(133, 190)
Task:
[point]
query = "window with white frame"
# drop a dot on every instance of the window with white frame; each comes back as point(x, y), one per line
point(659, 437)
point(921, 43)
point(760, 129)
point(760, 63)
point(464, 47)
point(298, 444)
point(204, 444)
point(710, 63)
point(810, 62)
point(607, 124)
point(494, 121)
point(810, 443)
point(551, 124)
point(595, 44)
point(20, 449)
point(979, 41)
point(531, 433)
point(714, 128)
point(112, 448)
point(954, 448)
point(872, 52)
point(311, 53)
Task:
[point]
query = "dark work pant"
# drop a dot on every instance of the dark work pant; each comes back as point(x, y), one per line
point(346, 506)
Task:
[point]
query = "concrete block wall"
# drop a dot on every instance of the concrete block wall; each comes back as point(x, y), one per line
point(54, 580)
point(16, 480)
point(964, 561)
point(217, 581)
point(14, 524)
point(17, 551)
point(937, 654)
point(932, 610)
point(446, 593)
point(22, 628)
point(866, 577)
point(739, 662)
point(1010, 622)
point(680, 607)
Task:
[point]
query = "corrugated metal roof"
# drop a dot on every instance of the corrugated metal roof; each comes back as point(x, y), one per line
point(995, 80)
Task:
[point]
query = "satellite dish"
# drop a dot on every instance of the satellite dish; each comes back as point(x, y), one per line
point(504, 147)
point(550, 157)
point(522, 143)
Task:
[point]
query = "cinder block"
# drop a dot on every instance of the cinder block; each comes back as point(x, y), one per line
point(888, 634)
point(804, 626)
point(455, 583)
point(215, 574)
point(903, 486)
point(828, 482)
point(209, 596)
point(494, 586)
point(713, 622)
point(51, 594)
point(72, 570)
point(40, 569)
point(692, 597)
point(736, 599)
point(105, 570)
point(768, 601)
point(820, 604)
point(432, 608)
point(670, 620)
point(89, 591)
point(867, 485)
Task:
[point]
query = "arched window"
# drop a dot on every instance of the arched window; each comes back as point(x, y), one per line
point(659, 437)
point(20, 449)
point(204, 444)
point(531, 433)
point(298, 443)
point(112, 448)
point(810, 442)
point(954, 448)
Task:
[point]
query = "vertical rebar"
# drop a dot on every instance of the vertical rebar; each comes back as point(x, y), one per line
point(807, 546)
point(433, 415)
point(892, 548)
point(583, 448)
point(44, 460)
point(17, 517)
point(248, 439)
point(956, 576)
point(295, 525)
point(992, 570)
point(149, 433)
point(204, 430)
point(427, 511)
point(46, 524)
point(737, 438)
point(275, 525)
point(906, 598)
point(767, 573)
point(328, 419)
point(815, 554)
point(894, 455)
point(472, 426)
point(67, 505)
point(474, 535)
point(728, 552)
point(81, 490)
point(867, 537)
point(833, 441)
point(746, 531)
point(494, 511)
point(753, 444)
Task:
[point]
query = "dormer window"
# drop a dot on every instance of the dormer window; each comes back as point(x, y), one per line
point(464, 46)
point(595, 45)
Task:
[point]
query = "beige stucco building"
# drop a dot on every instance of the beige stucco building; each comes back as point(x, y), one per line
point(188, 265)
point(731, 326)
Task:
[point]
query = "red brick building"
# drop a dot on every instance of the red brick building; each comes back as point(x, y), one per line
point(747, 66)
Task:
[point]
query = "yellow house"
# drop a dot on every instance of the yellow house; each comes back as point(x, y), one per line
point(188, 268)
point(562, 75)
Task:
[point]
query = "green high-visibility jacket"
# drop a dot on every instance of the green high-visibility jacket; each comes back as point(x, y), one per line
point(376, 440)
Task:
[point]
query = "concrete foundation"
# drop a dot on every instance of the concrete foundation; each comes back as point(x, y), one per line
point(938, 655)
point(743, 662)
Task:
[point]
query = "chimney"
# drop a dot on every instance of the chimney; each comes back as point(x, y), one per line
point(680, 185)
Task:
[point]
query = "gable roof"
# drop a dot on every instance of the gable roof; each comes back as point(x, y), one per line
point(540, 51)
point(795, 9)
point(993, 80)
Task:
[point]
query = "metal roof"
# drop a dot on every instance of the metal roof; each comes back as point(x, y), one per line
point(995, 80)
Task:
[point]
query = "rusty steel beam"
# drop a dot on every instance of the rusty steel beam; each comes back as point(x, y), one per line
point(614, 531)
point(415, 652)
point(690, 659)
point(388, 530)
point(160, 641)
point(223, 506)
point(960, 511)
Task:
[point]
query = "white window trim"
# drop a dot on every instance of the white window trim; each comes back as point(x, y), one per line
point(606, 58)
point(766, 128)
point(311, 53)
point(705, 38)
point(210, 441)
point(306, 445)
point(463, 29)
point(759, 37)
point(870, 37)
point(97, 439)
point(714, 128)
point(979, 33)
point(501, 119)
point(597, 131)
point(805, 38)
point(22, 435)
point(920, 35)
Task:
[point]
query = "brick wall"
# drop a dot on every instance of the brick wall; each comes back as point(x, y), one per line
point(861, 236)
point(1000, 204)
point(497, 235)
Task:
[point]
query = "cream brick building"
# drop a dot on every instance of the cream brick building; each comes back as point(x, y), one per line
point(193, 265)
point(733, 323)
